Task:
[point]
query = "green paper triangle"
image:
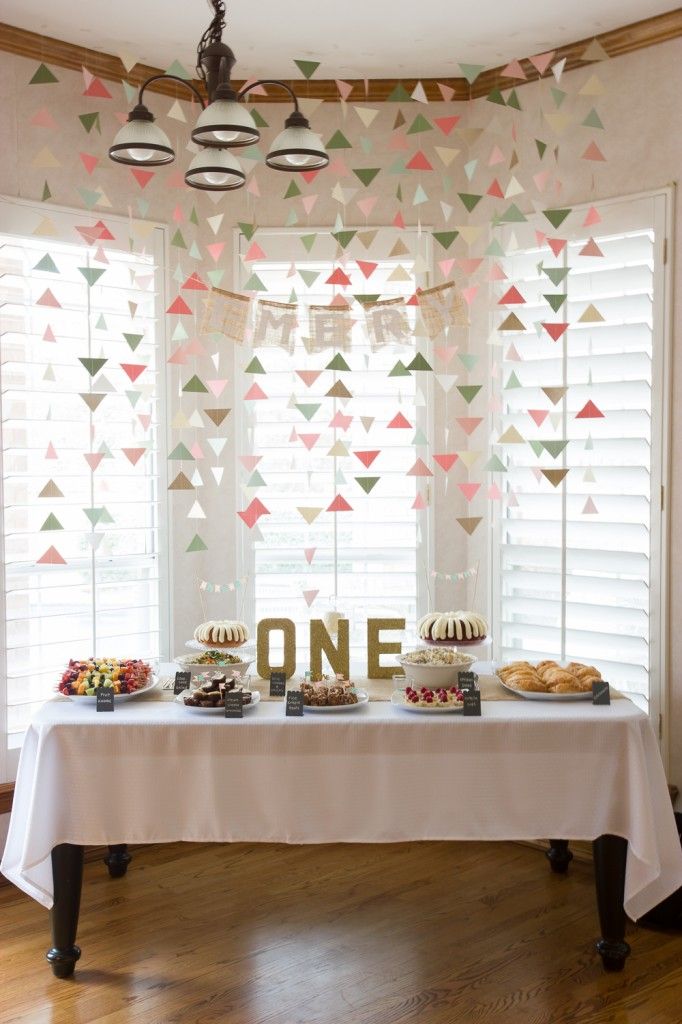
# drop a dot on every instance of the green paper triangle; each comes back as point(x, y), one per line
point(307, 67)
point(467, 360)
point(419, 437)
point(495, 96)
point(367, 482)
point(248, 230)
point(556, 301)
point(419, 363)
point(43, 76)
point(556, 274)
point(181, 452)
point(196, 544)
point(445, 238)
point(469, 391)
point(399, 95)
point(196, 385)
point(559, 96)
point(254, 284)
point(513, 215)
point(177, 69)
point(593, 120)
point(51, 523)
point(400, 370)
point(178, 241)
point(133, 340)
point(93, 366)
point(308, 241)
point(471, 71)
point(554, 448)
point(338, 141)
point(344, 238)
point(91, 274)
point(541, 147)
point(366, 174)
point(513, 382)
point(537, 447)
point(94, 515)
point(420, 124)
point(513, 100)
point(258, 119)
point(47, 263)
point(495, 465)
point(308, 410)
point(309, 277)
point(101, 324)
point(338, 363)
point(256, 480)
point(556, 217)
point(133, 397)
point(292, 191)
point(46, 193)
point(255, 366)
point(469, 200)
point(90, 121)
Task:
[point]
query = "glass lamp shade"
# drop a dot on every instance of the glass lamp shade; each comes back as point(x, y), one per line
point(225, 123)
point(297, 149)
point(215, 170)
point(141, 143)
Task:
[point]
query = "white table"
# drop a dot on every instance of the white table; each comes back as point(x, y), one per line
point(152, 773)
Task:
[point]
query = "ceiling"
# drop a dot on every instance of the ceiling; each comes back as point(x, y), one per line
point(351, 39)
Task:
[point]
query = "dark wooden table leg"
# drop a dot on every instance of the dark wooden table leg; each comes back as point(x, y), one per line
point(67, 877)
point(117, 860)
point(559, 855)
point(610, 854)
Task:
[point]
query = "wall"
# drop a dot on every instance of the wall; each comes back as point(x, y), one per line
point(639, 93)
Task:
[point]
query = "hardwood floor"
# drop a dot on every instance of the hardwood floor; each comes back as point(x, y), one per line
point(440, 933)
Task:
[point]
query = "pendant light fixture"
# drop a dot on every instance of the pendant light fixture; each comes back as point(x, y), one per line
point(223, 124)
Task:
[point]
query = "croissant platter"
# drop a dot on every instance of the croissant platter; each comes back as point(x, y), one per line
point(549, 677)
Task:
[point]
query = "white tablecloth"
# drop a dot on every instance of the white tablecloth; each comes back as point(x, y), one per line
point(152, 773)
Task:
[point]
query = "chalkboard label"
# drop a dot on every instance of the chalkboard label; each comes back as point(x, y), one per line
point(105, 698)
point(234, 705)
point(278, 684)
point(467, 680)
point(472, 703)
point(600, 692)
point(294, 704)
point(182, 681)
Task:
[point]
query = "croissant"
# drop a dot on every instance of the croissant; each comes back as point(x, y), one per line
point(528, 683)
point(514, 666)
point(564, 688)
point(554, 676)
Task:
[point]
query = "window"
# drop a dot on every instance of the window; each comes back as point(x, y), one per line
point(81, 485)
point(369, 562)
point(582, 575)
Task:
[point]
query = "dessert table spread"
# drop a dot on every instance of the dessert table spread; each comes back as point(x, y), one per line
point(152, 773)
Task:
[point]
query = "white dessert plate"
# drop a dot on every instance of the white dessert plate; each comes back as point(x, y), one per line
point(363, 698)
point(551, 697)
point(118, 697)
point(398, 701)
point(219, 710)
point(196, 645)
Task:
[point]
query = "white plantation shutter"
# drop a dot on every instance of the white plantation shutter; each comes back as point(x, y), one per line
point(371, 557)
point(104, 523)
point(580, 562)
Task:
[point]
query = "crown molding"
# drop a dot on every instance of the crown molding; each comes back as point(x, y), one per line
point(617, 42)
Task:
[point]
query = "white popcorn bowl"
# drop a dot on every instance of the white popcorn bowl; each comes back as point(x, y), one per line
point(435, 676)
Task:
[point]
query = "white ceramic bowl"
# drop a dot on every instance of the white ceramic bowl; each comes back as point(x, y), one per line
point(434, 676)
point(186, 663)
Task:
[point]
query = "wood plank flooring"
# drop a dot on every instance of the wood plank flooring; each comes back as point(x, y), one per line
point(440, 933)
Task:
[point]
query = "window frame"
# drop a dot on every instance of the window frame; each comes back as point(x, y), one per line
point(15, 211)
point(659, 688)
point(245, 554)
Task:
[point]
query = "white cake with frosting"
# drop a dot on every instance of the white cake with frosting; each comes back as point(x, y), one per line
point(452, 627)
point(222, 633)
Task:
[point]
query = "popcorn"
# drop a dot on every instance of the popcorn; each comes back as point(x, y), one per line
point(436, 656)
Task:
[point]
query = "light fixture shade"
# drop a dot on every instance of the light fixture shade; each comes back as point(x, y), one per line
point(141, 143)
point(297, 149)
point(225, 123)
point(215, 170)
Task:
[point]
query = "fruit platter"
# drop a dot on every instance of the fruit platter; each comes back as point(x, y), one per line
point(424, 699)
point(127, 677)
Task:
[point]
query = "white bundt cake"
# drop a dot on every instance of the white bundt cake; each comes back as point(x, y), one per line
point(452, 627)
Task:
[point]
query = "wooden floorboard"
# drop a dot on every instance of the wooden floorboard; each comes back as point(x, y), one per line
point(439, 933)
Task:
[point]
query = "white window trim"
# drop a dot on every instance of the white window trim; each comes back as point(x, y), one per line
point(659, 694)
point(244, 550)
point(14, 212)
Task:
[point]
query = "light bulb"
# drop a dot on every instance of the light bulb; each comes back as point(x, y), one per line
point(226, 136)
point(140, 155)
point(216, 177)
point(297, 159)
